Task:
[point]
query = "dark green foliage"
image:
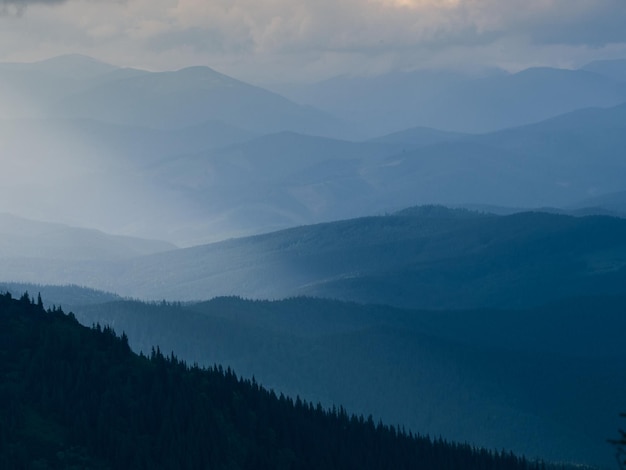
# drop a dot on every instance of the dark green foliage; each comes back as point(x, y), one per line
point(73, 397)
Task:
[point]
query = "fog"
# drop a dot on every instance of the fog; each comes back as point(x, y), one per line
point(105, 148)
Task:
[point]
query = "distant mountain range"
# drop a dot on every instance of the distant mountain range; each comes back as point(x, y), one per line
point(194, 156)
point(290, 179)
point(484, 102)
point(79, 87)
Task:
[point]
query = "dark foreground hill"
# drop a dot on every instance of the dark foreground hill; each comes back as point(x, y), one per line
point(72, 397)
point(544, 382)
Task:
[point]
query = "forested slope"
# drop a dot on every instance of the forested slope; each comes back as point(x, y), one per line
point(73, 397)
point(544, 382)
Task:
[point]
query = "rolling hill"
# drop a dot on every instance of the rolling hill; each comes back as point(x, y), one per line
point(24, 238)
point(544, 382)
point(74, 397)
point(425, 258)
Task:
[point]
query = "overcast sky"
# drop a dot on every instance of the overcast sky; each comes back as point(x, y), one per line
point(268, 41)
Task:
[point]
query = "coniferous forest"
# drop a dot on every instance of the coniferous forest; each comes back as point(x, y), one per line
point(78, 398)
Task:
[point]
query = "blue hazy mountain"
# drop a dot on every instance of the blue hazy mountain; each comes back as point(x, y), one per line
point(614, 69)
point(289, 179)
point(418, 137)
point(190, 96)
point(76, 86)
point(611, 202)
point(23, 238)
point(460, 102)
point(210, 182)
point(563, 160)
point(429, 257)
point(199, 181)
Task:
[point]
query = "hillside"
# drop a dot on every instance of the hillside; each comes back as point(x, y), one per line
point(166, 100)
point(24, 238)
point(462, 102)
point(74, 397)
point(494, 378)
point(429, 258)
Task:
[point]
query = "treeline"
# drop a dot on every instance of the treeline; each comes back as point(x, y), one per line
point(73, 397)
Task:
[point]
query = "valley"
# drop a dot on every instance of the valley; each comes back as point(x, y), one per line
point(440, 250)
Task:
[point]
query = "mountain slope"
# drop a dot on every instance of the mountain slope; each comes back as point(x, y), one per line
point(461, 102)
point(289, 179)
point(79, 397)
point(563, 160)
point(188, 97)
point(615, 69)
point(492, 378)
point(23, 238)
point(430, 259)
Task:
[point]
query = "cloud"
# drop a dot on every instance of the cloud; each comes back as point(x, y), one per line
point(287, 26)
point(17, 7)
point(24, 3)
point(319, 37)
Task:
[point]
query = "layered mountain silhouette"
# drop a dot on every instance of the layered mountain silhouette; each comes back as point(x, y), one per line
point(194, 156)
point(499, 330)
point(492, 378)
point(429, 257)
point(74, 397)
point(488, 101)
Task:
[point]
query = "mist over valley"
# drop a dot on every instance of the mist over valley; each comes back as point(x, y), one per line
point(443, 248)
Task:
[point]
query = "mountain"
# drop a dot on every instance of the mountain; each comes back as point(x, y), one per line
point(67, 296)
point(525, 97)
point(23, 238)
point(611, 202)
point(78, 397)
point(460, 102)
point(379, 104)
point(563, 160)
point(492, 378)
point(211, 181)
point(614, 69)
point(290, 179)
point(418, 137)
point(268, 183)
point(187, 97)
point(429, 258)
point(28, 90)
point(77, 86)
point(54, 160)
point(101, 144)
